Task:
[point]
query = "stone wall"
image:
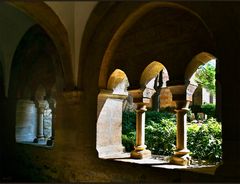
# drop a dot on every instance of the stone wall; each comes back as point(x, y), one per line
point(109, 125)
point(73, 159)
point(26, 121)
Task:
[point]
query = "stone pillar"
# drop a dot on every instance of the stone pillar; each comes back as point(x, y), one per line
point(141, 97)
point(109, 124)
point(181, 117)
point(181, 154)
point(52, 105)
point(140, 150)
point(182, 95)
point(40, 104)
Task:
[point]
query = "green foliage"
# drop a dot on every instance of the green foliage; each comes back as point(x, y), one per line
point(157, 117)
point(166, 120)
point(205, 140)
point(161, 137)
point(196, 108)
point(128, 130)
point(129, 141)
point(128, 122)
point(205, 77)
point(209, 109)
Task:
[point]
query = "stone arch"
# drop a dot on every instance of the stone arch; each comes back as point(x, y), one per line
point(150, 72)
point(126, 25)
point(40, 93)
point(36, 68)
point(118, 82)
point(36, 60)
point(45, 16)
point(198, 60)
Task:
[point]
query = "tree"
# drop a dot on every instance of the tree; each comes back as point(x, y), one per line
point(205, 77)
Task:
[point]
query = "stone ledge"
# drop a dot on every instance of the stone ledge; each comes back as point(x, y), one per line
point(158, 161)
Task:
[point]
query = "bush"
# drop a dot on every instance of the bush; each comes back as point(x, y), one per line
point(157, 117)
point(128, 141)
point(158, 125)
point(209, 109)
point(128, 122)
point(204, 141)
point(161, 137)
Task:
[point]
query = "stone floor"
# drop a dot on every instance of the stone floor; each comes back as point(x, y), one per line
point(163, 162)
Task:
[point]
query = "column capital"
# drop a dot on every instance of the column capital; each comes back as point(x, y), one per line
point(41, 105)
point(106, 93)
point(183, 92)
point(141, 107)
point(182, 105)
point(142, 95)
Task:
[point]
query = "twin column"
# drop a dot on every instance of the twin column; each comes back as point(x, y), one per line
point(42, 105)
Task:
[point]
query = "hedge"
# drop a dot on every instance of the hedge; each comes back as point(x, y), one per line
point(204, 141)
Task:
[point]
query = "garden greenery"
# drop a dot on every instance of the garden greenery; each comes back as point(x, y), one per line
point(204, 140)
point(209, 109)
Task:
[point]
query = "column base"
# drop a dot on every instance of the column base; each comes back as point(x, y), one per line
point(183, 160)
point(50, 142)
point(39, 140)
point(140, 154)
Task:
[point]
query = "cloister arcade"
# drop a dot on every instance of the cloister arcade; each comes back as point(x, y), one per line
point(67, 67)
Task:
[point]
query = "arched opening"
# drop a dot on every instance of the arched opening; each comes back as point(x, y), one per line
point(42, 14)
point(141, 113)
point(36, 67)
point(115, 100)
point(204, 128)
point(125, 38)
point(142, 37)
point(201, 71)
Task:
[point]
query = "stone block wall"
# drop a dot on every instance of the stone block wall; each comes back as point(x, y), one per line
point(26, 121)
point(166, 98)
point(109, 126)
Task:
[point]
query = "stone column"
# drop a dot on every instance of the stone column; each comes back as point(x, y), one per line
point(52, 105)
point(140, 150)
point(181, 154)
point(181, 117)
point(182, 95)
point(141, 97)
point(40, 111)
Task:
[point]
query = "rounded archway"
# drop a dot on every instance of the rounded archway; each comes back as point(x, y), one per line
point(45, 16)
point(138, 48)
point(35, 71)
point(198, 60)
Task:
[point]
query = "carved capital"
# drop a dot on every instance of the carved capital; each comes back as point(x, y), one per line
point(182, 92)
point(41, 105)
point(141, 107)
point(142, 95)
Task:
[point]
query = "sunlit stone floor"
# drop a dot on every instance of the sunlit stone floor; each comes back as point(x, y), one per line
point(163, 162)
